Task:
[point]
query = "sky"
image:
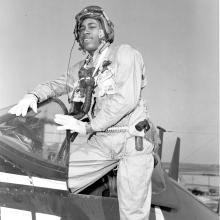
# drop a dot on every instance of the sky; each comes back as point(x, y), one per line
point(178, 40)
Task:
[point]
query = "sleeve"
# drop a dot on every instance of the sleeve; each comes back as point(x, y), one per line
point(128, 78)
point(57, 87)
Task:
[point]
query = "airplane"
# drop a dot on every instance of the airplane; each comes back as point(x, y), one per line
point(34, 170)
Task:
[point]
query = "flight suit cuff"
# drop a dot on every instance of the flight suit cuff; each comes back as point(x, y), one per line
point(38, 99)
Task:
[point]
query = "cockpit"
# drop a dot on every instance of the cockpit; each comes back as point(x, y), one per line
point(34, 137)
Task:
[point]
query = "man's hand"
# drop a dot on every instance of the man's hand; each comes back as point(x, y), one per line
point(29, 100)
point(70, 123)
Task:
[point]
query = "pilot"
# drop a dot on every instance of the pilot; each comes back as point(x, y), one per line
point(106, 97)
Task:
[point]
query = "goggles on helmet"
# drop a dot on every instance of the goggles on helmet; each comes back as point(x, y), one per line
point(98, 13)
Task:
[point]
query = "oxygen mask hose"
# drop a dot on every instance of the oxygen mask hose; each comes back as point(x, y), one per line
point(87, 84)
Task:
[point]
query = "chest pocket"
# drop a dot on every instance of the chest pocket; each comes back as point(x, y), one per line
point(105, 83)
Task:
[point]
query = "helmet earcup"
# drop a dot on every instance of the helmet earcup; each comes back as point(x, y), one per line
point(110, 31)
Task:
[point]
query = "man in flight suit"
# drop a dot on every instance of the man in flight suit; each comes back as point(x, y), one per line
point(116, 79)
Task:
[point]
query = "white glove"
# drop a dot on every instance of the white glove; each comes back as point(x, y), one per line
point(134, 132)
point(70, 123)
point(29, 100)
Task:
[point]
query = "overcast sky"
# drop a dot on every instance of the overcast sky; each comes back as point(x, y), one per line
point(177, 38)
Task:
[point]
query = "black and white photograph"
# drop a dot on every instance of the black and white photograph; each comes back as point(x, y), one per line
point(109, 110)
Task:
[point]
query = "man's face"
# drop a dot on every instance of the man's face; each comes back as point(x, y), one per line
point(89, 34)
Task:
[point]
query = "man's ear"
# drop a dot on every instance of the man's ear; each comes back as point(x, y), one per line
point(101, 34)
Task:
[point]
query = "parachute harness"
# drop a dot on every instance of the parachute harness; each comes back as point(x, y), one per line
point(85, 87)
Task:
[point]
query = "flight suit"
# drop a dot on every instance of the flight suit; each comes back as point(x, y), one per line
point(118, 104)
